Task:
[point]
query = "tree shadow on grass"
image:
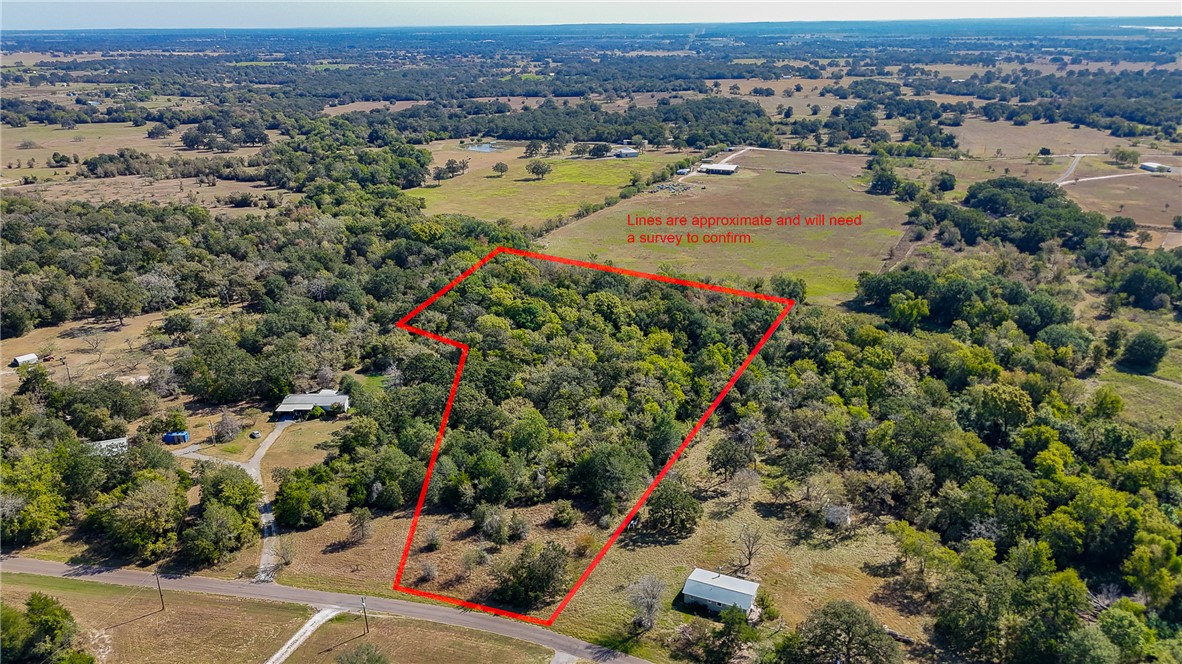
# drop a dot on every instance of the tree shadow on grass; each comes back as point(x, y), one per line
point(623, 639)
point(904, 594)
point(639, 539)
point(338, 645)
point(338, 546)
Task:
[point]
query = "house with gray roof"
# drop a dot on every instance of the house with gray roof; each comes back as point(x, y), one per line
point(304, 403)
point(717, 591)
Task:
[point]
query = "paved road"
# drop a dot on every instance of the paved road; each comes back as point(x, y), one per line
point(564, 645)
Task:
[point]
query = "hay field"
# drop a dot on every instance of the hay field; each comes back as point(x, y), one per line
point(828, 258)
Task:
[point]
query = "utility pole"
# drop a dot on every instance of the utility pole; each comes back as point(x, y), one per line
point(159, 589)
point(365, 613)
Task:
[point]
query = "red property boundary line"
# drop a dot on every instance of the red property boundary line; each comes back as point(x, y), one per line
point(404, 324)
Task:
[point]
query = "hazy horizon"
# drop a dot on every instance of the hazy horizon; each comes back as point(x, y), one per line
point(278, 14)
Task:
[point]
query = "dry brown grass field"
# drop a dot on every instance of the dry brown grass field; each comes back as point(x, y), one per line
point(970, 171)
point(415, 641)
point(1146, 197)
point(128, 188)
point(89, 347)
point(124, 625)
point(981, 138)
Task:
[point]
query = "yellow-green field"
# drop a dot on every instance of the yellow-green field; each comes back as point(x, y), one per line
point(125, 625)
point(523, 199)
point(829, 258)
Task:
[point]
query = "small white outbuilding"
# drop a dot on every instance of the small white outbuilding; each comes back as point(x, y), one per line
point(717, 591)
point(22, 360)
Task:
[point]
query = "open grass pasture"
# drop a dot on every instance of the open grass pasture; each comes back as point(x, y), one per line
point(829, 258)
point(128, 188)
point(968, 171)
point(1152, 199)
point(122, 625)
point(87, 140)
point(417, 641)
point(519, 196)
point(325, 561)
point(799, 101)
point(89, 347)
point(983, 139)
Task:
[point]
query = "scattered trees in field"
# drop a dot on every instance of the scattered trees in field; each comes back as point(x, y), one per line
point(538, 168)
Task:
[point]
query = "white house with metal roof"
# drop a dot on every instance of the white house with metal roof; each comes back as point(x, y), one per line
point(109, 447)
point(304, 403)
point(717, 591)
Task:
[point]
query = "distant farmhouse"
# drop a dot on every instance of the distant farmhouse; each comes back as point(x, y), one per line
point(719, 169)
point(624, 153)
point(717, 591)
point(304, 403)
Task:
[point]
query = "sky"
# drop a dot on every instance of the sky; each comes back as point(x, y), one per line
point(98, 14)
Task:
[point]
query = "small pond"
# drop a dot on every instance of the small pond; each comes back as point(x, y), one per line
point(484, 147)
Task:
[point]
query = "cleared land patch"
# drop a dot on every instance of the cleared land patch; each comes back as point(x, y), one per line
point(128, 188)
point(982, 138)
point(125, 625)
point(828, 258)
point(519, 196)
point(1146, 197)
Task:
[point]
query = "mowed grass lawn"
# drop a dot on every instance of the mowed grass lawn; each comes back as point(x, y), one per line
point(417, 641)
point(296, 446)
point(124, 624)
point(522, 198)
point(829, 258)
